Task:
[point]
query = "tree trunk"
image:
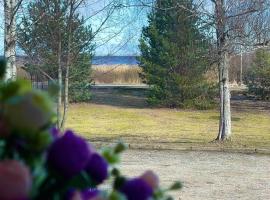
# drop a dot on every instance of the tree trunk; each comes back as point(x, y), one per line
point(10, 38)
point(66, 99)
point(241, 68)
point(222, 46)
point(225, 105)
point(59, 98)
point(66, 92)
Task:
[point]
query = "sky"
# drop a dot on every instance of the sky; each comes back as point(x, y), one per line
point(118, 36)
point(121, 33)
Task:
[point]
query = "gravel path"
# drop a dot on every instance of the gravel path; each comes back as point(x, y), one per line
point(205, 175)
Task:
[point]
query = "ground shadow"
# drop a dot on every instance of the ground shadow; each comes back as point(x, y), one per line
point(120, 97)
point(136, 97)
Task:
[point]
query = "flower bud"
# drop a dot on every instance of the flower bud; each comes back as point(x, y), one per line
point(28, 112)
point(97, 168)
point(151, 178)
point(15, 180)
point(69, 154)
point(137, 188)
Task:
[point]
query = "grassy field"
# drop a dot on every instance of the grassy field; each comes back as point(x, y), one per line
point(110, 119)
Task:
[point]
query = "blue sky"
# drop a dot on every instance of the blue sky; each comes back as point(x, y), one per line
point(118, 36)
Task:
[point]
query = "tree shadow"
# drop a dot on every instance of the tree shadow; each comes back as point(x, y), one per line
point(120, 97)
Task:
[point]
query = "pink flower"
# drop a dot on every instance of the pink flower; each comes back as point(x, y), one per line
point(15, 180)
point(91, 194)
point(151, 178)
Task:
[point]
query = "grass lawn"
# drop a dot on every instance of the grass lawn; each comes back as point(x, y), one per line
point(167, 128)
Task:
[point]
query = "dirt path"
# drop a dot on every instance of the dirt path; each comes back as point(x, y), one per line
point(205, 175)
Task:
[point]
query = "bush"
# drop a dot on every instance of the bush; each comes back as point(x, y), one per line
point(80, 92)
point(258, 77)
point(184, 95)
point(80, 81)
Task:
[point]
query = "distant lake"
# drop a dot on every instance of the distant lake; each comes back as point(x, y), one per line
point(115, 60)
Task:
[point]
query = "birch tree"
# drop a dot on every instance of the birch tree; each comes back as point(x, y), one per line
point(234, 23)
point(10, 9)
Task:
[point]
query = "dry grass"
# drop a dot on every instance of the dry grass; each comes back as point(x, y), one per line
point(116, 74)
point(166, 128)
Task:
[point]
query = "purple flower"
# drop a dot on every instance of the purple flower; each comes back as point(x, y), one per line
point(137, 188)
point(90, 193)
point(97, 168)
point(55, 132)
point(69, 154)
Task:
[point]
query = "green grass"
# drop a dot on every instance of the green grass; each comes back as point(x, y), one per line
point(167, 128)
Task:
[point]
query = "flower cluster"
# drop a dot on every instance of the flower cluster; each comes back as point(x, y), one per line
point(38, 161)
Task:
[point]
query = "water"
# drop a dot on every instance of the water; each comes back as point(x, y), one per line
point(115, 60)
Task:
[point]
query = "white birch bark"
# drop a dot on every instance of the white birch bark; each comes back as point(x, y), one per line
point(225, 130)
point(10, 38)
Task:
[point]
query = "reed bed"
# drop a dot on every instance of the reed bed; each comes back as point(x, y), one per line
point(116, 74)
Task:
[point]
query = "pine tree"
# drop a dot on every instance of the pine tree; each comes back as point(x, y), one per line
point(173, 56)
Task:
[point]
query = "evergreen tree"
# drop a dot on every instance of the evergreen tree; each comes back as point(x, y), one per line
point(258, 77)
point(173, 56)
point(44, 26)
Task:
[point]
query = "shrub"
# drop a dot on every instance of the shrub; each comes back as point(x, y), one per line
point(258, 77)
point(79, 92)
point(80, 82)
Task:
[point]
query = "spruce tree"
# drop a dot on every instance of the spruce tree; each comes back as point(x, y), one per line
point(173, 56)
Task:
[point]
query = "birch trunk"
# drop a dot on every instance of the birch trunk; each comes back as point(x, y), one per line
point(10, 38)
point(225, 104)
point(59, 98)
point(66, 90)
point(66, 99)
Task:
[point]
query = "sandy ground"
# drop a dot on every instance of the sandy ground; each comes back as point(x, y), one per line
point(205, 175)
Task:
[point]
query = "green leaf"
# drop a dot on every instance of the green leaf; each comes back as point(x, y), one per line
point(119, 148)
point(116, 196)
point(110, 156)
point(53, 89)
point(176, 186)
point(118, 182)
point(81, 181)
point(115, 172)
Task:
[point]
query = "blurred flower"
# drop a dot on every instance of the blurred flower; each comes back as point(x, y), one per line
point(151, 178)
point(30, 112)
point(90, 194)
point(4, 129)
point(15, 180)
point(97, 168)
point(69, 154)
point(137, 189)
point(55, 132)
